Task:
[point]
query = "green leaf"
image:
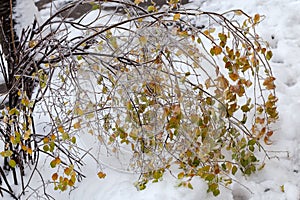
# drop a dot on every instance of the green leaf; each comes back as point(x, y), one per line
point(180, 175)
point(157, 175)
point(190, 186)
point(282, 188)
point(53, 163)
point(212, 187)
point(14, 111)
point(210, 177)
point(251, 148)
point(96, 7)
point(216, 192)
point(52, 146)
point(269, 55)
point(46, 148)
point(234, 170)
point(205, 168)
point(73, 140)
point(252, 142)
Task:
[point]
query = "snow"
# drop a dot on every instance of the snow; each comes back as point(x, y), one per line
point(280, 178)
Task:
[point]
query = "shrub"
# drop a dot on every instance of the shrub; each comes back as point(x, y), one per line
point(184, 91)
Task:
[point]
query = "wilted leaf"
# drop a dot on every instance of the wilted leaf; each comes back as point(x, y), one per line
point(267, 141)
point(256, 18)
point(216, 50)
point(234, 76)
point(101, 175)
point(269, 83)
point(54, 176)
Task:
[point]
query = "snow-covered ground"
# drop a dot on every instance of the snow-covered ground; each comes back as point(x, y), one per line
point(280, 179)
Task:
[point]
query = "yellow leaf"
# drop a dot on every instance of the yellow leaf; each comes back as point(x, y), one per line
point(206, 32)
point(24, 148)
point(180, 175)
point(143, 40)
point(61, 129)
point(57, 160)
point(12, 163)
point(238, 12)
point(68, 171)
point(234, 76)
point(32, 43)
point(12, 139)
point(53, 137)
point(113, 42)
point(77, 125)
point(216, 50)
point(101, 175)
point(29, 151)
point(151, 8)
point(183, 33)
point(79, 111)
point(137, 2)
point(7, 153)
point(27, 134)
point(176, 17)
point(212, 30)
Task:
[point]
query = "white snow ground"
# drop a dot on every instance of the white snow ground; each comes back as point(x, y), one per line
point(282, 29)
